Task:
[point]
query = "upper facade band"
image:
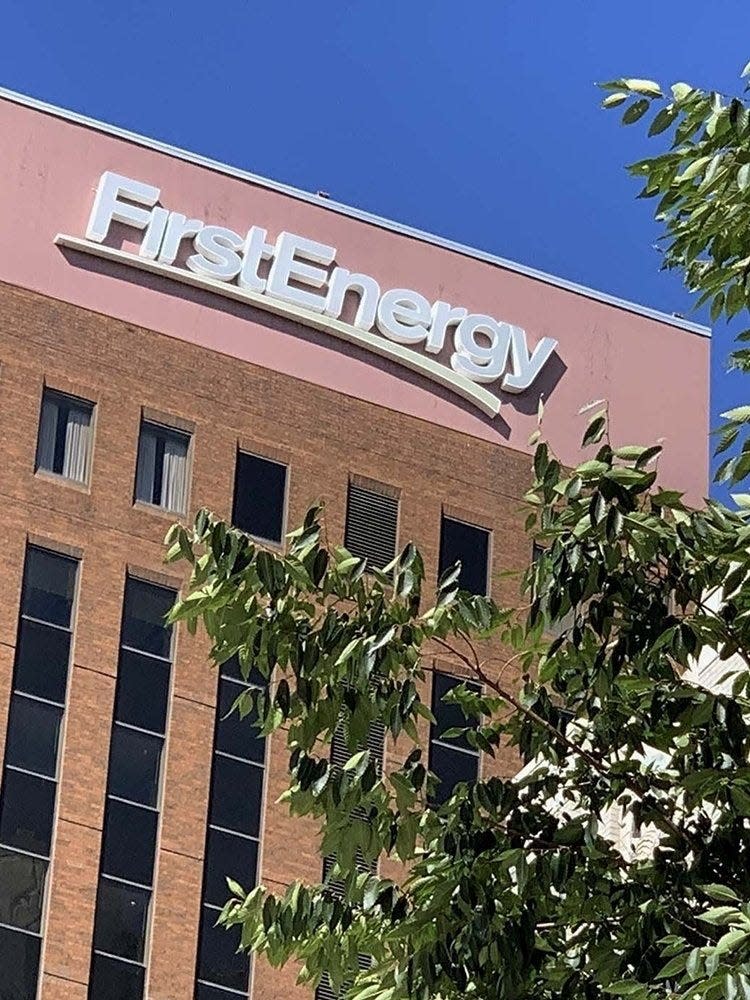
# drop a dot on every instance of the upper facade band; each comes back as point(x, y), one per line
point(132, 228)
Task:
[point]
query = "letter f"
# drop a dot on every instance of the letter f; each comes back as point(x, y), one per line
point(108, 207)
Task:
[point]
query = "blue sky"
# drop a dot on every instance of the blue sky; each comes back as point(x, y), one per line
point(476, 120)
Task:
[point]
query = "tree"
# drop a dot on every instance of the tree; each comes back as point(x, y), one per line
point(511, 888)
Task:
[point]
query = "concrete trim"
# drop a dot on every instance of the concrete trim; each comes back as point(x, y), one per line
point(354, 213)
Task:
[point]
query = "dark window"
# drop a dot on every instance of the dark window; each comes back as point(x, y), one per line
point(143, 623)
point(19, 964)
point(371, 525)
point(234, 735)
point(121, 919)
point(27, 809)
point(469, 545)
point(22, 881)
point(451, 767)
point(134, 763)
point(236, 790)
point(33, 735)
point(452, 760)
point(259, 491)
point(48, 586)
point(64, 444)
point(218, 959)
point(228, 855)
point(42, 661)
point(129, 842)
point(162, 472)
point(205, 992)
point(142, 691)
point(233, 670)
point(114, 980)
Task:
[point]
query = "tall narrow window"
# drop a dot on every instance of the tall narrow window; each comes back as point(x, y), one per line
point(162, 473)
point(469, 545)
point(233, 837)
point(64, 445)
point(452, 760)
point(259, 496)
point(131, 816)
point(29, 784)
point(371, 525)
point(340, 753)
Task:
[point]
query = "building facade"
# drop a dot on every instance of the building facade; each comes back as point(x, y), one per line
point(176, 334)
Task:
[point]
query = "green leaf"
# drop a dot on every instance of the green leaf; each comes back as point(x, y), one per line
point(732, 940)
point(681, 91)
point(743, 177)
point(663, 120)
point(720, 893)
point(595, 429)
point(613, 100)
point(738, 413)
point(719, 915)
point(636, 110)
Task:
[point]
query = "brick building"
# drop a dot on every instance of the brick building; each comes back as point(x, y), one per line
point(179, 334)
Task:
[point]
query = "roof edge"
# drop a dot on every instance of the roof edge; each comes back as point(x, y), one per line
point(354, 213)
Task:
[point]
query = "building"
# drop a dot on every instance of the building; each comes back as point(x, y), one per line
point(178, 334)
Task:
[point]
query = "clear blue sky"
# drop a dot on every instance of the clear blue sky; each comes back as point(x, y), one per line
point(478, 120)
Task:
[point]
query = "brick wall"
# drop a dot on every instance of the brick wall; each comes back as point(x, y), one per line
point(324, 437)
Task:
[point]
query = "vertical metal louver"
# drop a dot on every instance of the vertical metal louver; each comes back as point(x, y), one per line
point(371, 525)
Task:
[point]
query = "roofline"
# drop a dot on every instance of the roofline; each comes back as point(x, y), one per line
point(354, 213)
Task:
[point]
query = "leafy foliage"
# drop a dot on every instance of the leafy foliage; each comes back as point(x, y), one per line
point(702, 183)
point(512, 888)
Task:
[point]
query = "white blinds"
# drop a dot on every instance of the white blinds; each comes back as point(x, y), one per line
point(174, 474)
point(77, 444)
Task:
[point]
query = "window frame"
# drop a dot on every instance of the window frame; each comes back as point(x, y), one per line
point(175, 432)
point(252, 452)
point(447, 515)
point(48, 392)
point(450, 745)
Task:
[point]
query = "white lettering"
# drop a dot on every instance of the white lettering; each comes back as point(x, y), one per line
point(256, 249)
point(179, 227)
point(404, 316)
point(484, 349)
point(287, 267)
point(217, 255)
point(443, 316)
point(108, 206)
point(343, 281)
point(525, 368)
point(480, 362)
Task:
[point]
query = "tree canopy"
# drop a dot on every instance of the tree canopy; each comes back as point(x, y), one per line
point(512, 888)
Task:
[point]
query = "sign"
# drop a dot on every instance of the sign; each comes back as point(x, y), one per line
point(295, 277)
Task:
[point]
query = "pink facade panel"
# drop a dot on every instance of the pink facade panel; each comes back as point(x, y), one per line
point(654, 375)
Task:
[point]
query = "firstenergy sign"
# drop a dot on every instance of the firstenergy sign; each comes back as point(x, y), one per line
point(301, 283)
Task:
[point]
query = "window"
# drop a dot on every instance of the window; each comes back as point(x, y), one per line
point(162, 473)
point(233, 835)
point(451, 760)
point(259, 496)
point(469, 545)
point(29, 781)
point(371, 525)
point(340, 753)
point(65, 434)
point(131, 817)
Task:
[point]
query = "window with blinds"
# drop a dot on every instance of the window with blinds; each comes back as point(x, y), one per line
point(371, 525)
point(65, 436)
point(162, 472)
